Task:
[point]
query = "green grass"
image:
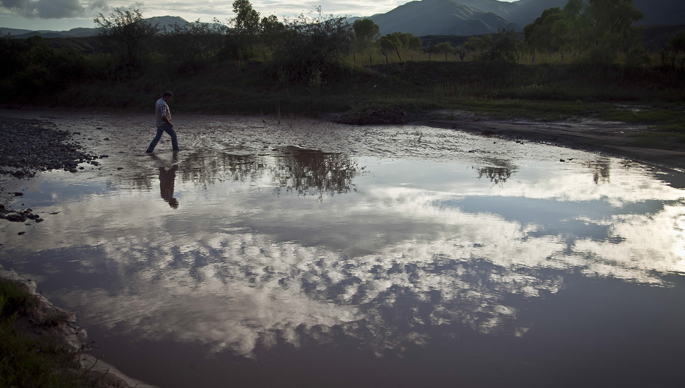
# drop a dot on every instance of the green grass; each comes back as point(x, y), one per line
point(27, 361)
point(14, 299)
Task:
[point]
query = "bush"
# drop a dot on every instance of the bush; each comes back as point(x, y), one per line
point(604, 52)
point(638, 56)
point(313, 47)
point(190, 44)
point(13, 53)
point(15, 299)
point(127, 31)
point(674, 51)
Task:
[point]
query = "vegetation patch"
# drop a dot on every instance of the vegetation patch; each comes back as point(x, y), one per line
point(30, 360)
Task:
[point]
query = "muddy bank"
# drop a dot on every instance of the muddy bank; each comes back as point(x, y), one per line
point(613, 138)
point(50, 324)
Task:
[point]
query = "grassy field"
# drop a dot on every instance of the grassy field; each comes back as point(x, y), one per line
point(546, 92)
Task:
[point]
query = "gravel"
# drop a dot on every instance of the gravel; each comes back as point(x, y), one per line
point(29, 146)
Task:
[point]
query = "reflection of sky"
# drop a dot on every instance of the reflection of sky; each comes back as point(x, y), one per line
point(418, 245)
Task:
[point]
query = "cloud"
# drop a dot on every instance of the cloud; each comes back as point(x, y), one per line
point(45, 9)
point(98, 4)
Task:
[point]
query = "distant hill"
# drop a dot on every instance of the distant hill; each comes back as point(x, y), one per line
point(159, 21)
point(657, 12)
point(499, 8)
point(441, 17)
point(13, 31)
point(527, 11)
point(166, 21)
point(660, 12)
point(656, 37)
point(523, 12)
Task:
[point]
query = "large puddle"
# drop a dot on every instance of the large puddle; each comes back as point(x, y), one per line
point(236, 265)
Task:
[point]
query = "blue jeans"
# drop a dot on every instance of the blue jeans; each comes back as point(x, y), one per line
point(160, 130)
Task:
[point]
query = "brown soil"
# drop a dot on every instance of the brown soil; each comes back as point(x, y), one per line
point(592, 135)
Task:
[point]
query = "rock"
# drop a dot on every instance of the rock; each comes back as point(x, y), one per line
point(21, 233)
point(15, 217)
point(30, 146)
point(18, 194)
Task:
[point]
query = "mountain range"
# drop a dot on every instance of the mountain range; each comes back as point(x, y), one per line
point(474, 17)
point(442, 17)
point(159, 21)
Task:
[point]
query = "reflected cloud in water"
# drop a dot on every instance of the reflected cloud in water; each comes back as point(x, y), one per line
point(398, 254)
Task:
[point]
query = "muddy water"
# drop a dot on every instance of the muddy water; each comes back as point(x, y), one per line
point(309, 255)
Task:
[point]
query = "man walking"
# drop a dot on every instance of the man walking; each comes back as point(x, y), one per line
point(163, 116)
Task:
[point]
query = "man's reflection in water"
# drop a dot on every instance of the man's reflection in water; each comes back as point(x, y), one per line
point(166, 185)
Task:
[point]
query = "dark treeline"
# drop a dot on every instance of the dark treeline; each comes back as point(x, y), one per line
point(314, 54)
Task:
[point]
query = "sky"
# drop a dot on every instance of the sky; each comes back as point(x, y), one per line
point(68, 14)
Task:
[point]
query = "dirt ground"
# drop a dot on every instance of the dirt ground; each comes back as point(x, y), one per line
point(116, 138)
point(592, 135)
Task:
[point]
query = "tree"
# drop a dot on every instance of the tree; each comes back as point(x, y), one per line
point(504, 47)
point(246, 19)
point(241, 33)
point(443, 48)
point(602, 26)
point(413, 42)
point(15, 56)
point(312, 47)
point(613, 20)
point(548, 33)
point(615, 16)
point(674, 48)
point(187, 44)
point(390, 42)
point(366, 33)
point(479, 44)
point(406, 40)
point(574, 7)
point(272, 30)
point(126, 29)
